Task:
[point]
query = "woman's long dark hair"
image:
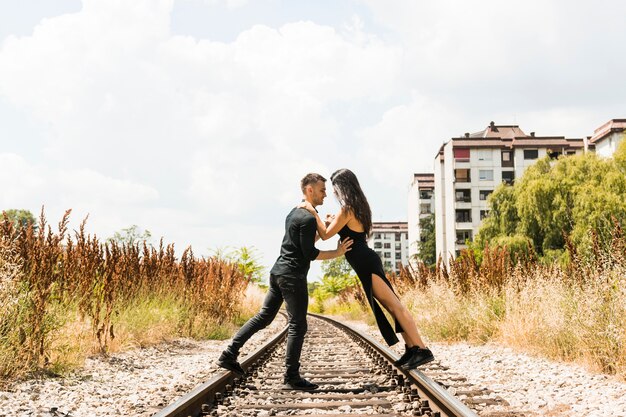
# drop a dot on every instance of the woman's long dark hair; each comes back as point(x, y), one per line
point(351, 197)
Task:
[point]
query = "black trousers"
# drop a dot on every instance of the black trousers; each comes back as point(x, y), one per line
point(294, 292)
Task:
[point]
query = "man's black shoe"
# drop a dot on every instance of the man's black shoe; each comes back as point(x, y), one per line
point(405, 356)
point(229, 361)
point(300, 384)
point(418, 357)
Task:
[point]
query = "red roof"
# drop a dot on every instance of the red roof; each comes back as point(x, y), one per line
point(613, 125)
point(498, 131)
point(393, 226)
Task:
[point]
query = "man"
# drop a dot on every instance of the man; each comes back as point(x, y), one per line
point(288, 283)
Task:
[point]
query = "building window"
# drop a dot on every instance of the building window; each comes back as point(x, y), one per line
point(387, 245)
point(398, 255)
point(484, 194)
point(508, 177)
point(398, 236)
point(462, 175)
point(485, 155)
point(424, 208)
point(426, 195)
point(378, 245)
point(531, 153)
point(387, 265)
point(376, 235)
point(463, 196)
point(461, 154)
point(462, 236)
point(398, 246)
point(507, 158)
point(463, 216)
point(483, 214)
point(485, 174)
point(387, 254)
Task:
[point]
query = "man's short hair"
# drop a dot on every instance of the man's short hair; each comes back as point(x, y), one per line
point(310, 179)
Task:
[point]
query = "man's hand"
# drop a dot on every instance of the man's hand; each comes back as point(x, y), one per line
point(344, 246)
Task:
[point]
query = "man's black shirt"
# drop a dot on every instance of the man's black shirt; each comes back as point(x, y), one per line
point(298, 247)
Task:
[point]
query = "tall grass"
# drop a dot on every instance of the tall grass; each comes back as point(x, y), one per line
point(573, 312)
point(63, 294)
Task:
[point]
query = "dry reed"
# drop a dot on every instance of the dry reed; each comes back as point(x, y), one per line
point(46, 275)
point(575, 312)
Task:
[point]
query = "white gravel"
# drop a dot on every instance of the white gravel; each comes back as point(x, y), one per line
point(141, 381)
point(535, 385)
point(134, 383)
point(531, 385)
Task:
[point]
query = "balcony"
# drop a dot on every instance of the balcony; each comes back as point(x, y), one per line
point(462, 176)
point(463, 216)
point(508, 177)
point(462, 236)
point(507, 159)
point(463, 196)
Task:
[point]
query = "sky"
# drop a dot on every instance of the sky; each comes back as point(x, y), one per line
point(196, 119)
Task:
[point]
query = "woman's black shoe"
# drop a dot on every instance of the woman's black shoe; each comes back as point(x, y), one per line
point(418, 357)
point(405, 356)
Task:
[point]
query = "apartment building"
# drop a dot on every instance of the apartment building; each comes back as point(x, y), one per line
point(607, 137)
point(421, 204)
point(469, 168)
point(390, 241)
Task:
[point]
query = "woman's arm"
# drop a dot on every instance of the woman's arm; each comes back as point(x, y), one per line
point(336, 224)
point(327, 231)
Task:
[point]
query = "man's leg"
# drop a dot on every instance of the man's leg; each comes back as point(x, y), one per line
point(271, 305)
point(296, 297)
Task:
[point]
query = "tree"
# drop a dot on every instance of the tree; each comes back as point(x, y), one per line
point(20, 218)
point(131, 235)
point(572, 196)
point(246, 258)
point(338, 275)
point(502, 219)
point(427, 251)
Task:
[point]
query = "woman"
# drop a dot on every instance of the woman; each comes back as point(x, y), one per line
point(354, 220)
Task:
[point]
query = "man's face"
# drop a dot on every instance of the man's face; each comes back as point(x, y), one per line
point(318, 193)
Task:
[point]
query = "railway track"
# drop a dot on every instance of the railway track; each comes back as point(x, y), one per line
point(355, 375)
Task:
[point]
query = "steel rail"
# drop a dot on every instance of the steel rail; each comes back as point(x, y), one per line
point(444, 402)
point(192, 403)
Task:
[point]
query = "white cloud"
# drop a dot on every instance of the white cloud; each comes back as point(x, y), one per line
point(230, 4)
point(29, 186)
point(18, 179)
point(148, 120)
point(191, 138)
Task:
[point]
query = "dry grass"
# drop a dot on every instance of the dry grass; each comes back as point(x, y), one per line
point(572, 313)
point(63, 297)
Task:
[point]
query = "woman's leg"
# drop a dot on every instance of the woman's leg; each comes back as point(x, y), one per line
point(391, 303)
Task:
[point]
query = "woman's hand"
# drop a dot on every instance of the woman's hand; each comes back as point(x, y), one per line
point(308, 206)
point(329, 219)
